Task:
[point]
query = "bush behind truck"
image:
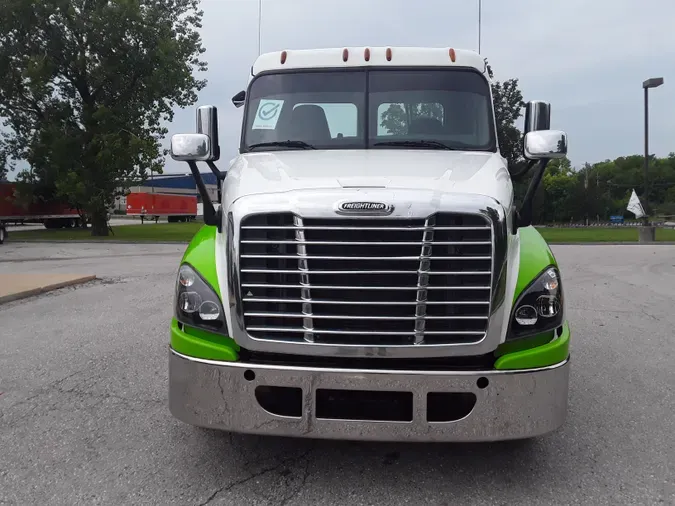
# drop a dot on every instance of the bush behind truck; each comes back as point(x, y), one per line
point(367, 275)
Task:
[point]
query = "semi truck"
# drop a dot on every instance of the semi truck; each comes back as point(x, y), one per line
point(368, 274)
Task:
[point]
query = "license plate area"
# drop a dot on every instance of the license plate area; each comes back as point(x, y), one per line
point(364, 405)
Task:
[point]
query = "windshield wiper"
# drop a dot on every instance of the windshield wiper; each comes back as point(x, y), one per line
point(417, 144)
point(285, 144)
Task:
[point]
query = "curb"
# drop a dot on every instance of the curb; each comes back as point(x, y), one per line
point(46, 288)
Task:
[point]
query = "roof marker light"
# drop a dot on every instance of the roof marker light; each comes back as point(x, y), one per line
point(366, 54)
point(388, 54)
point(283, 57)
point(453, 56)
point(345, 54)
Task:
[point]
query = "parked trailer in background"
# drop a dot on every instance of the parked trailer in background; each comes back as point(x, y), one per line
point(156, 205)
point(53, 214)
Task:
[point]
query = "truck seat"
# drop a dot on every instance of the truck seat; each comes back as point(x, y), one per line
point(427, 126)
point(309, 123)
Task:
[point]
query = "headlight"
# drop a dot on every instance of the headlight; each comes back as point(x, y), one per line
point(539, 308)
point(196, 303)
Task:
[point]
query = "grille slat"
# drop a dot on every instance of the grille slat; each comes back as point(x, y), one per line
point(375, 244)
point(363, 302)
point(347, 317)
point(358, 287)
point(448, 273)
point(314, 257)
point(358, 332)
point(366, 281)
point(262, 227)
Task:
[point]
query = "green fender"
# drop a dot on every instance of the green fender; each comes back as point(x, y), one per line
point(195, 342)
point(200, 254)
point(535, 256)
point(537, 351)
point(543, 349)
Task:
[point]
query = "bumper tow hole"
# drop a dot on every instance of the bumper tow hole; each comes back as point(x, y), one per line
point(249, 375)
point(482, 382)
point(448, 406)
point(280, 401)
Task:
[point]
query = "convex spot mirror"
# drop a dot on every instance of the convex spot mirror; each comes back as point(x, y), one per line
point(550, 144)
point(191, 147)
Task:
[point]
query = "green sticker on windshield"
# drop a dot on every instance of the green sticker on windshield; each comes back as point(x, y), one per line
point(267, 115)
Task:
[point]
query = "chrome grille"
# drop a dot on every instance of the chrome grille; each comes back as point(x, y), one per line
point(371, 282)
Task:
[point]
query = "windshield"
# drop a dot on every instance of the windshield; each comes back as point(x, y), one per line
point(369, 109)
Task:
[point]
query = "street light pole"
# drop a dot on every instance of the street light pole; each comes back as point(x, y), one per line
point(480, 14)
point(646, 164)
point(654, 82)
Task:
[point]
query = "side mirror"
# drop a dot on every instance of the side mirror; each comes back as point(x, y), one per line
point(207, 124)
point(537, 116)
point(191, 147)
point(545, 144)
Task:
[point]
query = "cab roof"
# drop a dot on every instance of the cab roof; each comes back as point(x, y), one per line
point(369, 56)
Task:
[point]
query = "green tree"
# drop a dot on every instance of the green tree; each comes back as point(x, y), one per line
point(508, 105)
point(4, 161)
point(87, 86)
point(397, 117)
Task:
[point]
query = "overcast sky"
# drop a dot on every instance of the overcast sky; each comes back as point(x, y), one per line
point(587, 57)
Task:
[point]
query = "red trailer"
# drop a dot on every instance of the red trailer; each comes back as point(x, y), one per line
point(52, 214)
point(156, 205)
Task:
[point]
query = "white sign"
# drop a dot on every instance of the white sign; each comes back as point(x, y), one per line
point(635, 207)
point(267, 115)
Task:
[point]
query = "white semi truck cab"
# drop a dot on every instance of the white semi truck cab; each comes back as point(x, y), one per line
point(367, 274)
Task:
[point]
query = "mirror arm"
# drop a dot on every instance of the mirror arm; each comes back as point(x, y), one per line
point(216, 171)
point(525, 213)
point(525, 170)
point(220, 177)
point(211, 217)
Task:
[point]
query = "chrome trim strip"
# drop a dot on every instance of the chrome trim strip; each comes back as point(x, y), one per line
point(409, 203)
point(344, 287)
point(316, 257)
point(370, 243)
point(349, 317)
point(421, 372)
point(386, 229)
point(366, 332)
point(437, 273)
point(373, 303)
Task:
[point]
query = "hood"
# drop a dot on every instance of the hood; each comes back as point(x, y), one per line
point(448, 171)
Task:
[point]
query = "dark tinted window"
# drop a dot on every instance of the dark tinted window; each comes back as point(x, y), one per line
point(327, 109)
point(324, 109)
point(451, 106)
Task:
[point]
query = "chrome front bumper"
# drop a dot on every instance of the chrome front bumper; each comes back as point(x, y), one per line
point(510, 404)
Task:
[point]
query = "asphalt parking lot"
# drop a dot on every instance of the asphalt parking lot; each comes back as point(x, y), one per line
point(84, 417)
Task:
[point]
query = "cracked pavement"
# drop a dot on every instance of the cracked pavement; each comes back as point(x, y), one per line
point(84, 418)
